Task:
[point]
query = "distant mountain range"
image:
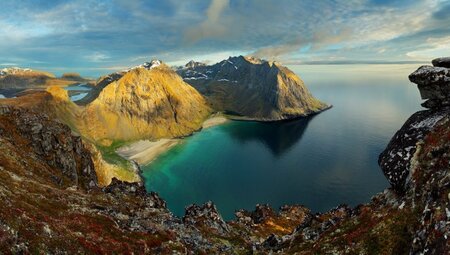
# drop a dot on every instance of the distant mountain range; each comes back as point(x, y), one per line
point(15, 77)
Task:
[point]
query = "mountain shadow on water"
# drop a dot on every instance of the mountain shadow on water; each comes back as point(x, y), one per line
point(278, 137)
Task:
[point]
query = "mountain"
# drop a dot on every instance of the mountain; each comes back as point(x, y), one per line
point(148, 101)
point(252, 88)
point(74, 77)
point(15, 77)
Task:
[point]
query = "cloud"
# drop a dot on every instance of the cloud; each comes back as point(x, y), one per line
point(97, 57)
point(436, 47)
point(86, 34)
point(213, 26)
point(319, 39)
point(443, 13)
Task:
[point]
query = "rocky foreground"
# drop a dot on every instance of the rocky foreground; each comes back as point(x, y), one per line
point(52, 203)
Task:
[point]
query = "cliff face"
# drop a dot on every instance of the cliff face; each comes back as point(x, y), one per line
point(252, 88)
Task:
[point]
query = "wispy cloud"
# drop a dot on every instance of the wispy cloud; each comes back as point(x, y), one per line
point(214, 26)
point(97, 57)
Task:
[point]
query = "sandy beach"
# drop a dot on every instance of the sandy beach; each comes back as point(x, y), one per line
point(145, 151)
point(214, 121)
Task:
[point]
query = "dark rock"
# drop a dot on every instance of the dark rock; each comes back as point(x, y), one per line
point(395, 160)
point(261, 213)
point(205, 216)
point(54, 143)
point(441, 62)
point(272, 242)
point(429, 76)
point(433, 84)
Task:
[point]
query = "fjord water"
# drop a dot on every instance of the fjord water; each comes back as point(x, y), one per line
point(320, 162)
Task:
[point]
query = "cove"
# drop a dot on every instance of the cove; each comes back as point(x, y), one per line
point(320, 161)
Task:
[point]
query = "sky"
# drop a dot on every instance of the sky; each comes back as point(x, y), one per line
point(99, 37)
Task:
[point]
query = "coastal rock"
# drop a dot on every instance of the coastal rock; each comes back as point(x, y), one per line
point(252, 88)
point(433, 84)
point(397, 158)
point(441, 62)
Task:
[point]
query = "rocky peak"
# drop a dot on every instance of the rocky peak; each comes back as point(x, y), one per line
point(14, 70)
point(152, 64)
point(146, 65)
point(194, 64)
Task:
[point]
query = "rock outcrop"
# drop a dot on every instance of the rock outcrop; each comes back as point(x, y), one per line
point(434, 85)
point(35, 136)
point(251, 88)
point(441, 62)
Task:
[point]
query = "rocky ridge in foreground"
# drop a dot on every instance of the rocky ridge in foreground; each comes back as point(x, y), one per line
point(46, 211)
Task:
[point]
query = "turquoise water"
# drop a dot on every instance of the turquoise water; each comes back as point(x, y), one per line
point(321, 161)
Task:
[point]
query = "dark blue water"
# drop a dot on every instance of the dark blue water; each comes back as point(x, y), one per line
point(321, 161)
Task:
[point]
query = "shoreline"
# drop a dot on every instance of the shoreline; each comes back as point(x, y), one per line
point(244, 118)
point(143, 152)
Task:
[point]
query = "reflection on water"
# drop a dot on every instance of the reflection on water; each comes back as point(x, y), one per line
point(319, 162)
point(277, 136)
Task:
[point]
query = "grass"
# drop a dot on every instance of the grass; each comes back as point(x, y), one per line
point(110, 155)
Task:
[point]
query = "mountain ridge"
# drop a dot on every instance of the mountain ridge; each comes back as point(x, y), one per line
point(253, 89)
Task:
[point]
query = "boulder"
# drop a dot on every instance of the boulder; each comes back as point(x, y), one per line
point(434, 85)
point(441, 62)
